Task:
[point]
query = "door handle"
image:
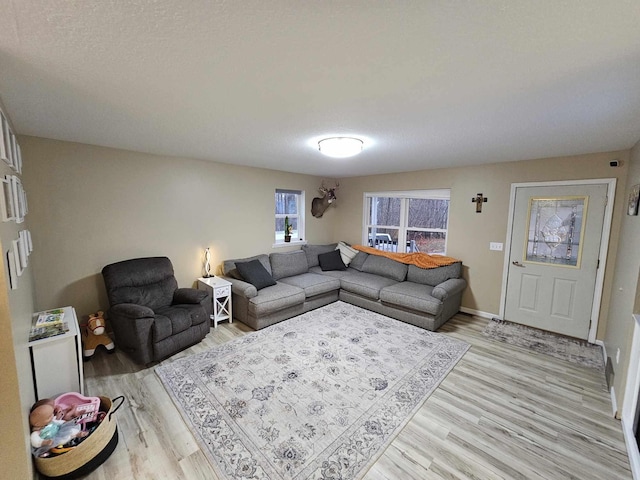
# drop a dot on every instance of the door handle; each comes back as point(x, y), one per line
point(517, 264)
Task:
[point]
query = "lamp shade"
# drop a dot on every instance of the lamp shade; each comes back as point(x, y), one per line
point(340, 147)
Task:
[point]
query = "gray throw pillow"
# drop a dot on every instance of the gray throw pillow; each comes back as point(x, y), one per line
point(312, 252)
point(255, 273)
point(331, 261)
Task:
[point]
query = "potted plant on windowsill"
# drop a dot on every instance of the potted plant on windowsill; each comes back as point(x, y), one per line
point(287, 230)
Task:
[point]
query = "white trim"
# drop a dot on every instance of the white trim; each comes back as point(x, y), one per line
point(614, 402)
point(612, 392)
point(630, 402)
point(632, 449)
point(289, 244)
point(437, 193)
point(478, 313)
point(403, 227)
point(604, 243)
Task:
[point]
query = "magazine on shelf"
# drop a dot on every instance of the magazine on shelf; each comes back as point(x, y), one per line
point(47, 331)
point(48, 324)
point(50, 317)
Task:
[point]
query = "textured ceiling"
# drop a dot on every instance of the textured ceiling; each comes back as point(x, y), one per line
point(426, 84)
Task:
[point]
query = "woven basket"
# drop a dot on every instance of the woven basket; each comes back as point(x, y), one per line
point(89, 454)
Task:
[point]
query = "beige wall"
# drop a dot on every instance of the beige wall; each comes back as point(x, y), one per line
point(16, 384)
point(471, 232)
point(625, 289)
point(91, 206)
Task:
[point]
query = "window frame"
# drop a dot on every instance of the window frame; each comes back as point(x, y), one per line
point(403, 228)
point(299, 234)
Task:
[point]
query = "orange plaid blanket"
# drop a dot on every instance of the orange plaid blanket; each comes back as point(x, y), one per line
point(419, 259)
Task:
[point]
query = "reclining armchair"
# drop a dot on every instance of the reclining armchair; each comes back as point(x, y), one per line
point(151, 317)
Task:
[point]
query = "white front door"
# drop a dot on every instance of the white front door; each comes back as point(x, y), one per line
point(553, 262)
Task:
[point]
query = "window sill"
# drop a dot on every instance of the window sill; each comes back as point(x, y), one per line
point(289, 244)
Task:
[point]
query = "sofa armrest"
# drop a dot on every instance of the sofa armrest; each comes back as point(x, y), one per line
point(189, 295)
point(448, 288)
point(132, 325)
point(242, 288)
point(131, 311)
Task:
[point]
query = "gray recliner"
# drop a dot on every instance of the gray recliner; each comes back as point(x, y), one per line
point(151, 317)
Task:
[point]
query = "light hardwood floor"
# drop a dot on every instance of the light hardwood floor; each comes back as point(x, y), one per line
point(503, 412)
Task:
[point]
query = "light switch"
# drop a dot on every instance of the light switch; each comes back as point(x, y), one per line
point(495, 246)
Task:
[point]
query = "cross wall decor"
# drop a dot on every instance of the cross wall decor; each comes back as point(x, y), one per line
point(479, 200)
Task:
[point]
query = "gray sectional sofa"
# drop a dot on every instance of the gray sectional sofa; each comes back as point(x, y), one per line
point(426, 298)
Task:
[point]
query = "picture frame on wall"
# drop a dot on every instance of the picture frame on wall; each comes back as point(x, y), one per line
point(3, 143)
point(19, 199)
point(16, 257)
point(634, 196)
point(13, 276)
point(7, 207)
point(23, 254)
point(13, 151)
point(29, 241)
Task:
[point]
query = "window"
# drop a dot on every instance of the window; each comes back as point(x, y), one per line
point(414, 221)
point(289, 203)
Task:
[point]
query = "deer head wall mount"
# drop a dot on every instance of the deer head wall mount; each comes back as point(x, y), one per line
point(320, 204)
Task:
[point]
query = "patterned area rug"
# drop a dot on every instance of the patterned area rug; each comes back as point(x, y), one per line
point(318, 396)
point(559, 346)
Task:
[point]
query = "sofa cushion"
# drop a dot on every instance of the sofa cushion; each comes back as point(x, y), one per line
point(413, 296)
point(346, 252)
point(331, 273)
point(434, 276)
point(288, 264)
point(275, 298)
point(386, 267)
point(229, 265)
point(169, 321)
point(312, 252)
point(365, 284)
point(254, 273)
point(313, 284)
point(331, 261)
point(358, 261)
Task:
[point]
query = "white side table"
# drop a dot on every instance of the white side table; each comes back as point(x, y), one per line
point(56, 362)
point(220, 291)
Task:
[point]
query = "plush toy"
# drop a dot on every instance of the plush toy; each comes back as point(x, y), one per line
point(93, 335)
point(49, 429)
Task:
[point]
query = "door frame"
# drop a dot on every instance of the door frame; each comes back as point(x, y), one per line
point(602, 254)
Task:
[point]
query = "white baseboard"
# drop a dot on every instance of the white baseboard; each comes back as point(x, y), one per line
point(478, 313)
point(612, 391)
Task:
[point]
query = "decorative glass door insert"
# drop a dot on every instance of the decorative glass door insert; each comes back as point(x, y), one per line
point(555, 230)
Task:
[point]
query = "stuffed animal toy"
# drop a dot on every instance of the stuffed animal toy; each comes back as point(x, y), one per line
point(49, 429)
point(93, 335)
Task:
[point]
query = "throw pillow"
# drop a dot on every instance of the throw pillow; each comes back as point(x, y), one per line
point(346, 252)
point(255, 273)
point(331, 261)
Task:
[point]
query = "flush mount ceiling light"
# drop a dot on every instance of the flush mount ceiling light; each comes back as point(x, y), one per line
point(340, 147)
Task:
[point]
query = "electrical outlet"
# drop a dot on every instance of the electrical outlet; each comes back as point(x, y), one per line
point(618, 356)
point(495, 246)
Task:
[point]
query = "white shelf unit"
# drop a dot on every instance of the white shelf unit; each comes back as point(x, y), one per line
point(56, 362)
